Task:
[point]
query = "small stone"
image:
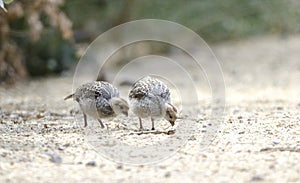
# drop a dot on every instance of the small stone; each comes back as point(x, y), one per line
point(162, 167)
point(168, 174)
point(192, 138)
point(119, 167)
point(4, 154)
point(257, 178)
point(55, 158)
point(91, 163)
point(25, 114)
point(279, 108)
point(61, 148)
point(265, 149)
point(13, 116)
point(39, 116)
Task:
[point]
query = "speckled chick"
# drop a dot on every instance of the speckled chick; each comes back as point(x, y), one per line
point(150, 97)
point(99, 99)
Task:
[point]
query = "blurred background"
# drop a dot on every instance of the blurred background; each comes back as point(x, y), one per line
point(39, 38)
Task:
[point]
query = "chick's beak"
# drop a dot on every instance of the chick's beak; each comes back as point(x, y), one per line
point(172, 123)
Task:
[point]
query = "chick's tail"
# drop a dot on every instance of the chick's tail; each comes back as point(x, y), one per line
point(69, 96)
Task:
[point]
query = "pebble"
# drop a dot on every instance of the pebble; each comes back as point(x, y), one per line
point(91, 163)
point(162, 167)
point(119, 167)
point(39, 116)
point(192, 138)
point(279, 108)
point(61, 148)
point(168, 174)
point(13, 116)
point(257, 178)
point(55, 158)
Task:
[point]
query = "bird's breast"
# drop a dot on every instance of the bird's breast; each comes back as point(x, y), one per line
point(89, 107)
point(146, 107)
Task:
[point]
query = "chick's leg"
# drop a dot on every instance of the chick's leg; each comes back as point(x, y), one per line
point(84, 120)
point(152, 120)
point(101, 124)
point(141, 125)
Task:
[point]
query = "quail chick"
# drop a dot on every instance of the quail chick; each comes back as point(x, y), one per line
point(99, 99)
point(150, 97)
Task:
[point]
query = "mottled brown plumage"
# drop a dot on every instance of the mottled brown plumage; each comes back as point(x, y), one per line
point(150, 97)
point(99, 99)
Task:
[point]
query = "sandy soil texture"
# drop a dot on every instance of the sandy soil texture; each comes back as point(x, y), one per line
point(42, 139)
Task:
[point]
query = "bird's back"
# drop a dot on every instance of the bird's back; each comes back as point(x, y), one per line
point(149, 87)
point(96, 95)
point(96, 89)
point(148, 97)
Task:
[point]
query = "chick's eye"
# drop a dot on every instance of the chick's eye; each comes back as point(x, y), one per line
point(168, 113)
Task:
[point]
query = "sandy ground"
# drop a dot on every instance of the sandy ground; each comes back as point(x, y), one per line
point(259, 140)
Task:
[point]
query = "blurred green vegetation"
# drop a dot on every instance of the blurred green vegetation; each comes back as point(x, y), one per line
point(51, 54)
point(36, 38)
point(214, 20)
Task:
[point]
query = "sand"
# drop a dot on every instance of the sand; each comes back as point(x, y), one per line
point(42, 138)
